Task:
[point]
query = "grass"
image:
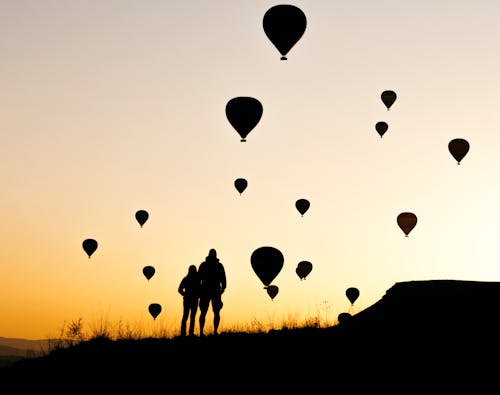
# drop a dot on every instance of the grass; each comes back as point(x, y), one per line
point(76, 331)
point(409, 343)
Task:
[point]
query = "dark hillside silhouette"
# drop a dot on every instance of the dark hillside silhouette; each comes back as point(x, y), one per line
point(431, 305)
point(422, 337)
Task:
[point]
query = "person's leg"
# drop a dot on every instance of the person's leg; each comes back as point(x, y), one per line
point(216, 307)
point(203, 312)
point(216, 320)
point(185, 314)
point(192, 319)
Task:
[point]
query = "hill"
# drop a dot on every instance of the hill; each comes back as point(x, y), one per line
point(24, 346)
point(425, 337)
point(14, 349)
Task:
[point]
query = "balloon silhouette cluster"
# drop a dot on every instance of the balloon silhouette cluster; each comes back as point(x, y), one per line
point(284, 25)
point(388, 97)
point(90, 246)
point(458, 148)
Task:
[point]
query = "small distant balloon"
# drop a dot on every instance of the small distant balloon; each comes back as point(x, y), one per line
point(458, 149)
point(148, 271)
point(352, 294)
point(407, 222)
point(302, 205)
point(154, 310)
point(141, 216)
point(303, 269)
point(244, 113)
point(343, 317)
point(272, 291)
point(284, 25)
point(267, 262)
point(89, 246)
point(388, 98)
point(240, 184)
point(381, 127)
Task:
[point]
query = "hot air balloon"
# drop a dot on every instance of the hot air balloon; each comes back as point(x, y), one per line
point(381, 127)
point(272, 291)
point(148, 271)
point(407, 222)
point(284, 25)
point(141, 216)
point(352, 294)
point(388, 98)
point(302, 205)
point(458, 149)
point(89, 246)
point(240, 184)
point(343, 317)
point(303, 269)
point(267, 263)
point(154, 309)
point(244, 113)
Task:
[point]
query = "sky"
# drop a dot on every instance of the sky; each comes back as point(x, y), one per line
point(109, 107)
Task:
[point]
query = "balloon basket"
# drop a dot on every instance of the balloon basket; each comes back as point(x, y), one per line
point(283, 58)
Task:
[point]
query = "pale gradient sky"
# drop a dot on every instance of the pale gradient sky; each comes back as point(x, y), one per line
point(108, 107)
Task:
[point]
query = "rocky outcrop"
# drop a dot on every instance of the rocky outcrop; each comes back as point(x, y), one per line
point(433, 304)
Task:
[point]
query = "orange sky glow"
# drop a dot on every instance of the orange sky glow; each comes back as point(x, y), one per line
point(113, 107)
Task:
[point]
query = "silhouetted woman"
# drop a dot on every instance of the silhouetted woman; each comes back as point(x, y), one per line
point(189, 288)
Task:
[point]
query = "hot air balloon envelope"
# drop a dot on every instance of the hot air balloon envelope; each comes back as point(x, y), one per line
point(407, 222)
point(284, 25)
point(240, 185)
point(381, 127)
point(352, 294)
point(267, 263)
point(303, 269)
point(141, 216)
point(302, 205)
point(388, 98)
point(244, 113)
point(272, 291)
point(458, 149)
point(343, 317)
point(148, 271)
point(89, 246)
point(154, 309)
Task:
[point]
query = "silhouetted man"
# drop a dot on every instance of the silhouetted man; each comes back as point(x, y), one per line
point(189, 288)
point(212, 286)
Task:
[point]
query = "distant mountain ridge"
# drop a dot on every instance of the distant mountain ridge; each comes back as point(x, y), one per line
point(23, 347)
point(12, 351)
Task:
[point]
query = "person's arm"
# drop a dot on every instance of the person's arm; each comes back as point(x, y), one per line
point(181, 288)
point(223, 279)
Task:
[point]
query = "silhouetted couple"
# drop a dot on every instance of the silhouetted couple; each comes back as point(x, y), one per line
point(202, 287)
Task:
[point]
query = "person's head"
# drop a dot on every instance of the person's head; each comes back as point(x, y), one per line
point(192, 269)
point(212, 254)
